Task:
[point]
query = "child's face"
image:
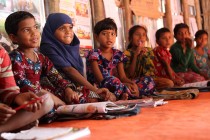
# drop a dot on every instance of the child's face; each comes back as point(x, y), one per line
point(139, 35)
point(182, 34)
point(106, 38)
point(202, 40)
point(165, 40)
point(28, 34)
point(65, 33)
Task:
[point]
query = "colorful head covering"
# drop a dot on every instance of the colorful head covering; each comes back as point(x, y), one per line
point(60, 54)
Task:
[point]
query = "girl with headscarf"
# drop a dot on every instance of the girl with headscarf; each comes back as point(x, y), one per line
point(61, 45)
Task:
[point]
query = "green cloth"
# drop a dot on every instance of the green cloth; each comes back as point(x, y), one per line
point(182, 62)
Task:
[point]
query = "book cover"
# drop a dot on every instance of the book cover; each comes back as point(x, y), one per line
point(48, 133)
point(98, 107)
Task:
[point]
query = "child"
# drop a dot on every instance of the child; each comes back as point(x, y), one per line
point(10, 98)
point(140, 58)
point(183, 57)
point(61, 45)
point(102, 62)
point(162, 58)
point(28, 65)
point(201, 52)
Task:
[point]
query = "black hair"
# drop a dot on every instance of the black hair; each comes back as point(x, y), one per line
point(132, 31)
point(105, 24)
point(178, 27)
point(161, 31)
point(200, 33)
point(12, 21)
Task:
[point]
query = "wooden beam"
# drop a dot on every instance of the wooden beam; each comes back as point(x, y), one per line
point(53, 6)
point(185, 12)
point(98, 14)
point(198, 14)
point(168, 15)
point(99, 11)
point(128, 18)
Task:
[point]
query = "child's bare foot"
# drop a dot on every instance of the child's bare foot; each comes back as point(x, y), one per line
point(124, 96)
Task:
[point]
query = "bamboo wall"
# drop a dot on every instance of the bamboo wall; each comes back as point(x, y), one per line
point(202, 8)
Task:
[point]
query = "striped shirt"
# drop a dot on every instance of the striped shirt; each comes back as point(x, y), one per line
point(8, 87)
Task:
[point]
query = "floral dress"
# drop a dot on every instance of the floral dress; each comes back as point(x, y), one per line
point(143, 72)
point(202, 61)
point(28, 74)
point(107, 69)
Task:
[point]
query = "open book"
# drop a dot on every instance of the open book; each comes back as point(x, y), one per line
point(98, 107)
point(48, 133)
point(148, 102)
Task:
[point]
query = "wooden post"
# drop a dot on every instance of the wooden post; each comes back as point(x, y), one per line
point(185, 12)
point(98, 13)
point(168, 15)
point(128, 18)
point(198, 14)
point(53, 6)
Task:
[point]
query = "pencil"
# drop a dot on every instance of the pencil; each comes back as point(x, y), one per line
point(24, 105)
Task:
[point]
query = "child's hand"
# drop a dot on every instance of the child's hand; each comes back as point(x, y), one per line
point(140, 49)
point(133, 88)
point(178, 82)
point(108, 96)
point(5, 113)
point(189, 42)
point(23, 98)
point(71, 96)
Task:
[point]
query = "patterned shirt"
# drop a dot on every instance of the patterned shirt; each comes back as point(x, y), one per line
point(144, 63)
point(202, 61)
point(107, 67)
point(8, 88)
point(161, 54)
point(28, 73)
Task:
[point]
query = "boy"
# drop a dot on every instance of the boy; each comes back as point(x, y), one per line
point(183, 57)
point(10, 97)
point(162, 58)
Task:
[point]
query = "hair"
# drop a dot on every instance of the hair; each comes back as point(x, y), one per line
point(200, 33)
point(132, 30)
point(12, 21)
point(161, 31)
point(105, 24)
point(180, 26)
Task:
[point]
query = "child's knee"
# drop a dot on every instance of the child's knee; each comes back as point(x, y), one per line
point(47, 104)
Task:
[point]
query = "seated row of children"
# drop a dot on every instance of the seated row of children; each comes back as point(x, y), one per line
point(57, 70)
